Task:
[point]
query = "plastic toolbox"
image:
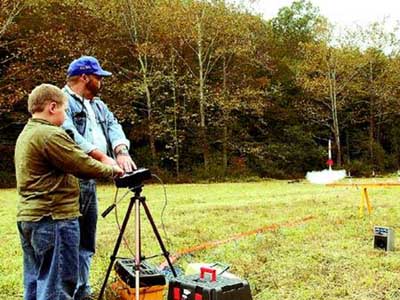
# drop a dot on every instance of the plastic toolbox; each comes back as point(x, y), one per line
point(213, 287)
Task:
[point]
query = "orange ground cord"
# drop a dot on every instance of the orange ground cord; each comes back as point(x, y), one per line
point(212, 244)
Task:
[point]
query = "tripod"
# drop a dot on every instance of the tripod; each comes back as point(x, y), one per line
point(136, 200)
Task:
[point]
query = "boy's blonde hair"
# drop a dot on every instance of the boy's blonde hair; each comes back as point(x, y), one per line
point(44, 94)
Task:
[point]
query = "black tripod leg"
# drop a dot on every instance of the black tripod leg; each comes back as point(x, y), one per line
point(160, 242)
point(117, 244)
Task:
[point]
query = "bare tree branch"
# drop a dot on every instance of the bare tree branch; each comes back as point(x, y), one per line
point(9, 9)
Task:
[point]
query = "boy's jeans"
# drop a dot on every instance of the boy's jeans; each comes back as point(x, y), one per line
point(51, 257)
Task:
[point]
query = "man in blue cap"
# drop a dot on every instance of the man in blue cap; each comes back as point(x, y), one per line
point(95, 129)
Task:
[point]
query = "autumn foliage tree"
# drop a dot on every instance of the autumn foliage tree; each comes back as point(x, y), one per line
point(205, 89)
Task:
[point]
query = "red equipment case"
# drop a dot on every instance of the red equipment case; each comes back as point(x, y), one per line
point(194, 287)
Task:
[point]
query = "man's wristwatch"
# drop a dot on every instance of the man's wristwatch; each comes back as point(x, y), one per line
point(123, 151)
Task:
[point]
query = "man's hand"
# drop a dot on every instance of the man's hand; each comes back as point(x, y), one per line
point(123, 158)
point(126, 163)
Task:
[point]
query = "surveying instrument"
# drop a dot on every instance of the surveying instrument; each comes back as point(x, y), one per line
point(134, 182)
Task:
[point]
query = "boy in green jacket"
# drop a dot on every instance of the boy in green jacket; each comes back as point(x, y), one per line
point(46, 163)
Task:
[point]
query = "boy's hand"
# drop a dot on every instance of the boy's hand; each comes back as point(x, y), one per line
point(118, 172)
point(108, 161)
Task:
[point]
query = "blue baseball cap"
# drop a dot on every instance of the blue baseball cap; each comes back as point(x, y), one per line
point(86, 65)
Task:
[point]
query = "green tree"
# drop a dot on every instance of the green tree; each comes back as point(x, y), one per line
point(295, 25)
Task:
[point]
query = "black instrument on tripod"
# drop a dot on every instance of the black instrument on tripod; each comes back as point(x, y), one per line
point(134, 182)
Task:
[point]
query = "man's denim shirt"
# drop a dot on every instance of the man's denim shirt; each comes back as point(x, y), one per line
point(76, 123)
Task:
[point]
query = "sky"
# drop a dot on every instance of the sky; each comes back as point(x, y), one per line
point(343, 13)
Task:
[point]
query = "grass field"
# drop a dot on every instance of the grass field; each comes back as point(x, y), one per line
point(329, 256)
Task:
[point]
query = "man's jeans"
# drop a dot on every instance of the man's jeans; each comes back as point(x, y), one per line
point(50, 248)
point(87, 223)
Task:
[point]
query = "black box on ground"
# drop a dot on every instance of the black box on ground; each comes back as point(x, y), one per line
point(383, 238)
point(148, 276)
point(195, 287)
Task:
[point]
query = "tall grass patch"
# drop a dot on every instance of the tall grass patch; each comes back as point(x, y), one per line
point(328, 256)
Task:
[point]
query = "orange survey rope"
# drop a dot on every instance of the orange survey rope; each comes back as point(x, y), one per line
point(212, 244)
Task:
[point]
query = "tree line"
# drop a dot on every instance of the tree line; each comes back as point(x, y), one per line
point(208, 90)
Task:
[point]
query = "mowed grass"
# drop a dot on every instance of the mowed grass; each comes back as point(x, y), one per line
point(329, 256)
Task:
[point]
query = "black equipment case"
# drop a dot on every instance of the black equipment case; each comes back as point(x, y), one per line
point(195, 287)
point(149, 276)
